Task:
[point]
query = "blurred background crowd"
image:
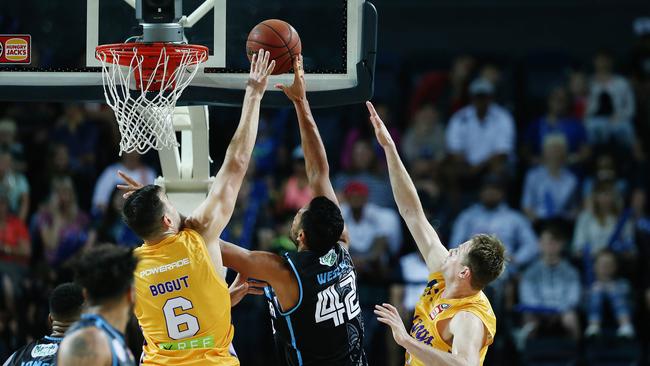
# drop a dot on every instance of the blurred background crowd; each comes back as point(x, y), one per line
point(550, 153)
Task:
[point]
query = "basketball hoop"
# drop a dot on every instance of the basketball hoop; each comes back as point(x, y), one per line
point(142, 83)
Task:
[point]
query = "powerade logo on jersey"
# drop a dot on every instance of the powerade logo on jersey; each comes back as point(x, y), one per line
point(328, 259)
point(165, 267)
point(44, 350)
point(326, 277)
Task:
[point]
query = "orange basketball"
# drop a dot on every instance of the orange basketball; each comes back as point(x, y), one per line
point(279, 38)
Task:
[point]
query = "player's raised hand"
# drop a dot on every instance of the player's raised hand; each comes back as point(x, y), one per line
point(261, 68)
point(242, 287)
point(383, 136)
point(297, 91)
point(131, 185)
point(389, 315)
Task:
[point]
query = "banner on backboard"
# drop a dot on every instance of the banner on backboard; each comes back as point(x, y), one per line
point(15, 49)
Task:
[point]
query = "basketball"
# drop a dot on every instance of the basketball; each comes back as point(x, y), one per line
point(279, 38)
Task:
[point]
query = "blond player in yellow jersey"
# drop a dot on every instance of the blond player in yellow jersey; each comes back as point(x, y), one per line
point(182, 303)
point(453, 323)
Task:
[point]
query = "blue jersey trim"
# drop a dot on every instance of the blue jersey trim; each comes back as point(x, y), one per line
point(293, 267)
point(53, 339)
point(293, 341)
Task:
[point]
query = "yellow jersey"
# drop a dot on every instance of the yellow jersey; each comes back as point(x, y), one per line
point(433, 308)
point(182, 304)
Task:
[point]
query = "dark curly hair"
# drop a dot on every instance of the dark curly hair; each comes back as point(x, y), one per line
point(143, 210)
point(105, 272)
point(322, 224)
point(66, 301)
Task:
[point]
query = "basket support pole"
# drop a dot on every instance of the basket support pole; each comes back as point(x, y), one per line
point(186, 171)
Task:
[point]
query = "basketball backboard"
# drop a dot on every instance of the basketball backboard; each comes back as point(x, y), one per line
point(338, 37)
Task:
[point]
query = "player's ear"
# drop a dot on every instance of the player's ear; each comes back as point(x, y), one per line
point(49, 319)
point(465, 273)
point(301, 236)
point(167, 221)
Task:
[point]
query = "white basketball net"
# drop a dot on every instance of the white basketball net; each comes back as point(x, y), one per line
point(144, 108)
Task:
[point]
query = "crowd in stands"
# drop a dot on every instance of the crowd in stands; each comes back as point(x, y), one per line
point(565, 190)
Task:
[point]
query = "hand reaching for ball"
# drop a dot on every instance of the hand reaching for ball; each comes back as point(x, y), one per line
point(295, 92)
point(383, 136)
point(261, 68)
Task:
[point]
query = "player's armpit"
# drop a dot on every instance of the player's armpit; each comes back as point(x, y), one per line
point(469, 336)
point(345, 238)
point(264, 266)
point(85, 347)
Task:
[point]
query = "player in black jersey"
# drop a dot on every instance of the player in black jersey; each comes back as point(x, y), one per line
point(66, 302)
point(105, 273)
point(313, 298)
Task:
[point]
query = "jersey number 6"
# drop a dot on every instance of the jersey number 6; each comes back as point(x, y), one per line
point(181, 325)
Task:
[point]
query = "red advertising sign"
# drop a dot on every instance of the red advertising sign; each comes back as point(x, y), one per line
point(15, 49)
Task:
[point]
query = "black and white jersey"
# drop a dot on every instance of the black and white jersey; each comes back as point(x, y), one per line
point(121, 354)
point(41, 352)
point(325, 327)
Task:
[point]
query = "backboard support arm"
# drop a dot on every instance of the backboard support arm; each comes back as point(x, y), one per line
point(189, 20)
point(186, 169)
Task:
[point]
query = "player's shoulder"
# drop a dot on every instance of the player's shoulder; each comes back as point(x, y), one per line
point(93, 335)
point(87, 343)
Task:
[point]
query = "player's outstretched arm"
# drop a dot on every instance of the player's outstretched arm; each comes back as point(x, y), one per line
point(467, 329)
point(316, 164)
point(215, 211)
point(408, 202)
point(85, 347)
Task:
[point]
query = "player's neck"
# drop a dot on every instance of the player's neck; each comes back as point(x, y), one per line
point(115, 314)
point(59, 328)
point(157, 239)
point(57, 333)
point(458, 290)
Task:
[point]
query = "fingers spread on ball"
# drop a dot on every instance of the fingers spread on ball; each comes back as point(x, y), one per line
point(269, 69)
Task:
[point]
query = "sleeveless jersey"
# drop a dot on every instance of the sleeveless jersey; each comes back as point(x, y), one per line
point(41, 352)
point(325, 327)
point(182, 304)
point(120, 352)
point(432, 308)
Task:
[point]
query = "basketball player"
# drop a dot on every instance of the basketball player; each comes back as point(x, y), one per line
point(105, 273)
point(66, 302)
point(453, 322)
point(313, 300)
point(183, 303)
